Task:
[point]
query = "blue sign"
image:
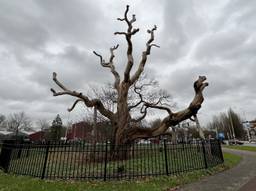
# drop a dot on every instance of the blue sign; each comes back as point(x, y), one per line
point(221, 136)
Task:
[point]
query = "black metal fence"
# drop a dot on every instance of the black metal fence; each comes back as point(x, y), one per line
point(87, 161)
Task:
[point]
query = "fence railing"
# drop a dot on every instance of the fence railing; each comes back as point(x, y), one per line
point(100, 161)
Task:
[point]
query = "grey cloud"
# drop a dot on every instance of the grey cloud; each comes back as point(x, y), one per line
point(242, 13)
point(196, 37)
point(179, 33)
point(74, 67)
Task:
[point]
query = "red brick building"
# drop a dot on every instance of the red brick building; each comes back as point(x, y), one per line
point(84, 131)
point(37, 136)
point(81, 130)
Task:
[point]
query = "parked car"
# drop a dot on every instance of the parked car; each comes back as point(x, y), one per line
point(143, 141)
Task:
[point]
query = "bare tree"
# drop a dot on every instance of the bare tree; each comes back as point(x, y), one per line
point(3, 121)
point(44, 126)
point(145, 88)
point(18, 121)
point(125, 127)
point(2, 118)
point(229, 123)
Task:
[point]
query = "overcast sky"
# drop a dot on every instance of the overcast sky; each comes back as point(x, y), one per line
point(201, 37)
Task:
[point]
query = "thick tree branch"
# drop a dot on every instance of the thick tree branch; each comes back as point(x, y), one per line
point(89, 103)
point(128, 35)
point(148, 105)
point(174, 118)
point(74, 104)
point(111, 65)
point(145, 54)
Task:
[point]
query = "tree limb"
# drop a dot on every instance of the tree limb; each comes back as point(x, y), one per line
point(74, 104)
point(140, 96)
point(159, 107)
point(89, 103)
point(111, 65)
point(145, 55)
point(174, 118)
point(128, 35)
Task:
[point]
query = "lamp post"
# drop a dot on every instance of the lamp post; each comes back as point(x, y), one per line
point(232, 126)
point(201, 133)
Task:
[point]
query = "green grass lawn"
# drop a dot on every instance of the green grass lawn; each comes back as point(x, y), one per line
point(21, 183)
point(241, 147)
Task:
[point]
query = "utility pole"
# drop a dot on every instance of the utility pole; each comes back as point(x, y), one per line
point(94, 134)
point(232, 125)
point(201, 133)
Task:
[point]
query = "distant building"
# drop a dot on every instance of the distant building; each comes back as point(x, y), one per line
point(250, 126)
point(84, 131)
point(80, 131)
point(22, 134)
point(37, 136)
point(252, 131)
point(5, 134)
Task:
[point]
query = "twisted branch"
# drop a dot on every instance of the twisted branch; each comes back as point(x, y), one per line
point(145, 55)
point(173, 118)
point(89, 103)
point(128, 35)
point(110, 65)
point(146, 104)
point(74, 105)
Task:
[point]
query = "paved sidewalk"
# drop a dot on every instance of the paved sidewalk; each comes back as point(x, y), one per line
point(250, 186)
point(240, 178)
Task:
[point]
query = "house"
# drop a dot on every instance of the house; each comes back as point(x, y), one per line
point(4, 134)
point(80, 131)
point(84, 131)
point(37, 136)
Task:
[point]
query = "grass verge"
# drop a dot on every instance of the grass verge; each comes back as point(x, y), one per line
point(21, 183)
point(241, 147)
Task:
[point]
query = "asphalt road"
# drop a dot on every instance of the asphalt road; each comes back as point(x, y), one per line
point(250, 186)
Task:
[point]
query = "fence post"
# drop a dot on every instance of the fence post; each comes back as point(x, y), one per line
point(204, 153)
point(165, 157)
point(220, 151)
point(45, 159)
point(105, 160)
point(5, 155)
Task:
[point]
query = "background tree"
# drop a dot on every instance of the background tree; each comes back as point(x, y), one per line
point(18, 121)
point(2, 118)
point(229, 123)
point(147, 87)
point(209, 133)
point(236, 124)
point(124, 124)
point(3, 122)
point(56, 130)
point(193, 133)
point(44, 126)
